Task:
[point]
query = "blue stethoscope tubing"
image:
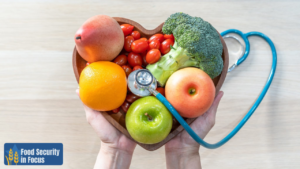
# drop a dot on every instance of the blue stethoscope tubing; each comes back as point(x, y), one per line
point(254, 106)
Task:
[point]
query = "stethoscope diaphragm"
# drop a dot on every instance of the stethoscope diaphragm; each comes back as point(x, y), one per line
point(140, 81)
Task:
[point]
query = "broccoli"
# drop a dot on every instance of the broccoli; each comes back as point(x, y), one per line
point(197, 44)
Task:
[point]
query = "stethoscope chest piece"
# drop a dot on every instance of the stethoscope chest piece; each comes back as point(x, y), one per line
point(140, 81)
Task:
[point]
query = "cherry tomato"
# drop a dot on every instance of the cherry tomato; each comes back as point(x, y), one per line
point(128, 65)
point(121, 60)
point(165, 46)
point(161, 90)
point(135, 59)
point(159, 37)
point(127, 29)
point(130, 98)
point(154, 44)
point(136, 35)
point(125, 106)
point(170, 36)
point(87, 63)
point(145, 63)
point(127, 43)
point(153, 56)
point(127, 69)
point(116, 110)
point(137, 68)
point(145, 39)
point(139, 46)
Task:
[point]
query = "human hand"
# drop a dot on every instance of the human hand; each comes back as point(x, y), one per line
point(183, 148)
point(116, 149)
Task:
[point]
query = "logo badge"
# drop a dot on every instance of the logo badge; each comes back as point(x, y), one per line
point(33, 153)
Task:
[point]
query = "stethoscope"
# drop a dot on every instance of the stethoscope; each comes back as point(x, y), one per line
point(142, 83)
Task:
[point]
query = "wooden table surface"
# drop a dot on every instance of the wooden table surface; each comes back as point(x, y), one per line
point(37, 87)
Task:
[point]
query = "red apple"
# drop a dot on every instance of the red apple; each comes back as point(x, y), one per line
point(191, 91)
point(100, 38)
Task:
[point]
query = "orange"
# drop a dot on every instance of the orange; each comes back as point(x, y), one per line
point(103, 86)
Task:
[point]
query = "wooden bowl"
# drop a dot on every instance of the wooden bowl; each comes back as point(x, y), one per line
point(118, 119)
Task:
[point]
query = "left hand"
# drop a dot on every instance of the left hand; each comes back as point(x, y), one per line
point(116, 149)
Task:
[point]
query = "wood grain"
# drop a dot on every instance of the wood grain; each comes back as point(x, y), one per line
point(118, 120)
point(37, 87)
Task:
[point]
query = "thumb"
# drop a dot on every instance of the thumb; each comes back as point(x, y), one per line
point(213, 109)
point(98, 122)
point(91, 114)
point(77, 92)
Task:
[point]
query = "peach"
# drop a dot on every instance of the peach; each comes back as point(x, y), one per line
point(191, 91)
point(100, 38)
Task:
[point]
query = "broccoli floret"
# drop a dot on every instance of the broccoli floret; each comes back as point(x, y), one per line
point(174, 20)
point(197, 44)
point(213, 67)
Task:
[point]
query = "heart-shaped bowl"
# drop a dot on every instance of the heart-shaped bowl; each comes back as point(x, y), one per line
point(118, 119)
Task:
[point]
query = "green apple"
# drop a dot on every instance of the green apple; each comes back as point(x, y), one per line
point(148, 121)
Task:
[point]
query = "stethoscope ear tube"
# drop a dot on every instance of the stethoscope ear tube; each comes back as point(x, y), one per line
point(231, 68)
point(254, 106)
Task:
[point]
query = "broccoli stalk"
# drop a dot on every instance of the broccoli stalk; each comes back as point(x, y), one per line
point(177, 58)
point(197, 44)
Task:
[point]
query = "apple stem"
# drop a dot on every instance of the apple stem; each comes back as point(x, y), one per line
point(192, 91)
point(78, 37)
point(149, 117)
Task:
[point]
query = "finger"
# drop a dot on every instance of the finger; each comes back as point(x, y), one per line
point(203, 124)
point(208, 118)
point(77, 92)
point(213, 109)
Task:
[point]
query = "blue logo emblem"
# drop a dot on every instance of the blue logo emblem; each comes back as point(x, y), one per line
point(33, 153)
point(12, 155)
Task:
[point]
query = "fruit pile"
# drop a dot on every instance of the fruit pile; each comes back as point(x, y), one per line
point(138, 52)
point(182, 61)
